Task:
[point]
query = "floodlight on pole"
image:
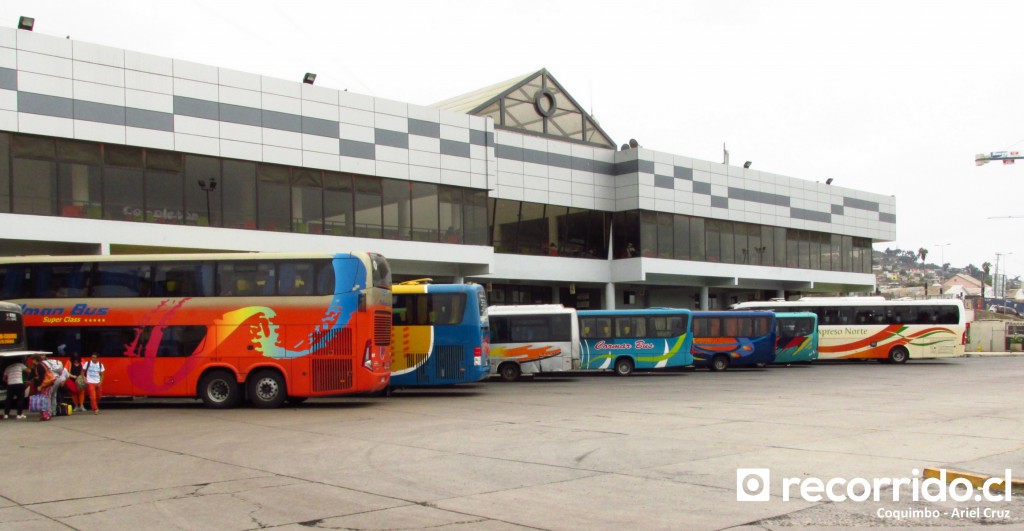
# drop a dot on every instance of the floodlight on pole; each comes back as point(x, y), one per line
point(309, 78)
point(26, 23)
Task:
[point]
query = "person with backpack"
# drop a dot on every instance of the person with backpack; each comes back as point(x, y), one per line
point(56, 368)
point(94, 381)
point(14, 377)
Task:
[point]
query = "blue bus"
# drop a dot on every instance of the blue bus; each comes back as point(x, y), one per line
point(439, 334)
point(733, 339)
point(796, 337)
point(625, 340)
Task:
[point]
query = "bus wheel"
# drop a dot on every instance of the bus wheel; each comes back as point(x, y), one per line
point(509, 371)
point(623, 366)
point(266, 389)
point(219, 389)
point(898, 355)
point(719, 363)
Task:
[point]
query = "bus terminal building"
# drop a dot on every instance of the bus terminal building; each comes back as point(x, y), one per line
point(513, 186)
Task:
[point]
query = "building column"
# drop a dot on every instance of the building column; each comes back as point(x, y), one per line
point(609, 296)
point(780, 294)
point(555, 297)
point(458, 279)
point(704, 298)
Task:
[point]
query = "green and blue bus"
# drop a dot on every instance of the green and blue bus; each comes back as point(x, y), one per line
point(626, 340)
point(733, 339)
point(439, 334)
point(796, 337)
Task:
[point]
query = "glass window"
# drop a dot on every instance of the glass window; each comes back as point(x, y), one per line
point(296, 278)
point(767, 251)
point(626, 231)
point(113, 279)
point(307, 201)
point(707, 326)
point(476, 220)
point(533, 231)
point(5, 172)
point(122, 193)
point(202, 191)
point(792, 248)
point(108, 341)
point(530, 328)
point(697, 240)
point(123, 156)
point(681, 248)
point(429, 309)
point(755, 251)
point(825, 250)
point(274, 191)
point(595, 327)
point(506, 225)
point(60, 280)
point(741, 250)
point(35, 187)
point(34, 147)
point(183, 279)
point(558, 240)
point(165, 197)
point(82, 152)
point(80, 192)
point(164, 161)
point(245, 279)
point(368, 207)
point(450, 203)
point(238, 194)
point(781, 247)
point(339, 212)
point(665, 235)
point(176, 341)
point(837, 253)
point(728, 239)
point(666, 325)
point(848, 254)
point(425, 212)
point(815, 251)
point(630, 326)
point(397, 209)
point(714, 240)
point(648, 233)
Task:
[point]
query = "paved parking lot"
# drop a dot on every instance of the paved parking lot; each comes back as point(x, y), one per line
point(650, 451)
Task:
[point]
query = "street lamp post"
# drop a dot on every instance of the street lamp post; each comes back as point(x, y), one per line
point(208, 187)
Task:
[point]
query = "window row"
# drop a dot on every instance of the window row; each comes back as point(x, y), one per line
point(633, 326)
point(118, 341)
point(47, 176)
point(708, 326)
point(903, 314)
point(519, 227)
point(530, 328)
point(680, 237)
point(239, 278)
point(428, 309)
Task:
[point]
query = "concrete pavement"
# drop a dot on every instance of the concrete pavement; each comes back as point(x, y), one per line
point(653, 451)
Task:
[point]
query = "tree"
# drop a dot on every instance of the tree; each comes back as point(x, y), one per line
point(986, 267)
point(922, 253)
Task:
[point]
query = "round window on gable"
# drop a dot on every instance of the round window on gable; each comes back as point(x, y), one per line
point(545, 103)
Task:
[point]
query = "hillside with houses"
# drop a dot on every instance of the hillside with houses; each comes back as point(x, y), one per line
point(908, 273)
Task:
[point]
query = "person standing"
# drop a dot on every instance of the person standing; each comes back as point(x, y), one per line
point(76, 374)
point(94, 381)
point(14, 377)
point(56, 368)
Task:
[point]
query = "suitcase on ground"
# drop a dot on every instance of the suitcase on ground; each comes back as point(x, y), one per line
point(38, 402)
point(44, 415)
point(64, 409)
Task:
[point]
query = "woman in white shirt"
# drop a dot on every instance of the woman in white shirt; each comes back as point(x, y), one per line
point(94, 381)
point(14, 377)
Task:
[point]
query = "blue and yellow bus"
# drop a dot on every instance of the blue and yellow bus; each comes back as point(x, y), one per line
point(439, 334)
point(796, 337)
point(733, 339)
point(625, 340)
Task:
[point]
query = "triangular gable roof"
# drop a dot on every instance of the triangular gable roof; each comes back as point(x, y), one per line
point(534, 104)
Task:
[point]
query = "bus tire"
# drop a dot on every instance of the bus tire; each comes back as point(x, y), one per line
point(719, 363)
point(898, 355)
point(623, 367)
point(509, 371)
point(267, 389)
point(219, 389)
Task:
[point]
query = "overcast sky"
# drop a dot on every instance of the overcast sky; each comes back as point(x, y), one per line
point(890, 97)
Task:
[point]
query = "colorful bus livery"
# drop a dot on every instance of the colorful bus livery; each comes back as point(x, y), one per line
point(624, 340)
point(732, 339)
point(221, 327)
point(439, 334)
point(875, 328)
point(532, 339)
point(796, 337)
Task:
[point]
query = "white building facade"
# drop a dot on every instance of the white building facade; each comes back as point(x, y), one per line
point(105, 150)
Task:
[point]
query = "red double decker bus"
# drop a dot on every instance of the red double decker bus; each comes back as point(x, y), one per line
point(266, 327)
